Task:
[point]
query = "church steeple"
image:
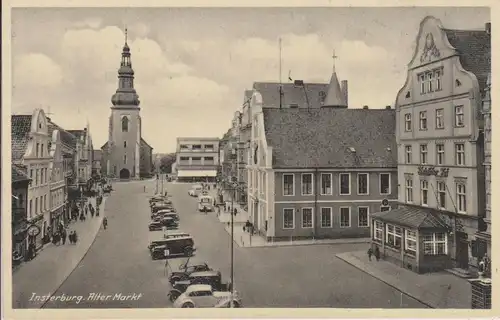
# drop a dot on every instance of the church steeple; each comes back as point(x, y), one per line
point(335, 97)
point(125, 95)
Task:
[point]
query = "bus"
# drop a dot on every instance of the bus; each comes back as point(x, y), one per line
point(207, 202)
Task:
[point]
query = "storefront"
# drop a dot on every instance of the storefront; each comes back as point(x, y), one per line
point(56, 218)
point(19, 241)
point(413, 238)
point(35, 234)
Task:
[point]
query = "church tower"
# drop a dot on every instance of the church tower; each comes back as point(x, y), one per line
point(124, 123)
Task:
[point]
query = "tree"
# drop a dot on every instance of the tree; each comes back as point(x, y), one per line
point(166, 162)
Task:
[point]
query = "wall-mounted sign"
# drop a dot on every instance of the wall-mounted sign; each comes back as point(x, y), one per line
point(385, 202)
point(33, 230)
point(431, 171)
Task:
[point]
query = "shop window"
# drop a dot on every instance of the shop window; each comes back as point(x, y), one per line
point(393, 236)
point(435, 244)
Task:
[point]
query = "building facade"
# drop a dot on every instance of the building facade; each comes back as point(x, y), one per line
point(312, 174)
point(20, 185)
point(96, 163)
point(440, 152)
point(197, 159)
point(30, 150)
point(122, 153)
point(57, 182)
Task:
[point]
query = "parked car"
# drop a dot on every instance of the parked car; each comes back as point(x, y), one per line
point(161, 241)
point(160, 215)
point(186, 271)
point(203, 296)
point(161, 206)
point(183, 246)
point(195, 190)
point(167, 222)
point(211, 277)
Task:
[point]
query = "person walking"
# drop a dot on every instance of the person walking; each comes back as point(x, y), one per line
point(370, 253)
point(63, 236)
point(75, 237)
point(105, 223)
point(377, 253)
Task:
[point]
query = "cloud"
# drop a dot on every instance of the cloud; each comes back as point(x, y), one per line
point(36, 70)
point(92, 22)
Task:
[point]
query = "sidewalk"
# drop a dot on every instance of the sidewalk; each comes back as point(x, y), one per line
point(50, 268)
point(436, 290)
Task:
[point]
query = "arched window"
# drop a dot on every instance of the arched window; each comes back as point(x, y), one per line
point(124, 124)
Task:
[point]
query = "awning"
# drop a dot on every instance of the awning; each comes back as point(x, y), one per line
point(197, 173)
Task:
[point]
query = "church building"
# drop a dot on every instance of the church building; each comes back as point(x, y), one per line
point(126, 155)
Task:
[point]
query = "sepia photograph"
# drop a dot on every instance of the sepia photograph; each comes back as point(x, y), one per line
point(249, 157)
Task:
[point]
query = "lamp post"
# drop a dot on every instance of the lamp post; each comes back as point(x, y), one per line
point(233, 186)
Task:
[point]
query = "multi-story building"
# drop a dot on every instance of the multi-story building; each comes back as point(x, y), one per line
point(320, 172)
point(96, 163)
point(20, 185)
point(197, 159)
point(85, 150)
point(30, 150)
point(440, 152)
point(57, 181)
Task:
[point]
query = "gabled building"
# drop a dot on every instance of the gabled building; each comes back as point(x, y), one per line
point(57, 182)
point(96, 164)
point(30, 151)
point(320, 172)
point(440, 152)
point(85, 150)
point(20, 185)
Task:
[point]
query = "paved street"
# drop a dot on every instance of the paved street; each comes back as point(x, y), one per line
point(303, 276)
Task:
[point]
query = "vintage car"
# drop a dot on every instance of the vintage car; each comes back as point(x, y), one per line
point(186, 270)
point(203, 296)
point(160, 241)
point(182, 246)
point(195, 190)
point(161, 206)
point(162, 214)
point(210, 277)
point(168, 223)
point(157, 198)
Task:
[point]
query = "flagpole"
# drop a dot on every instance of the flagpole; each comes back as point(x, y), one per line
point(281, 87)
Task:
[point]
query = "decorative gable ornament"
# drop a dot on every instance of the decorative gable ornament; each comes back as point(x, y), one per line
point(430, 50)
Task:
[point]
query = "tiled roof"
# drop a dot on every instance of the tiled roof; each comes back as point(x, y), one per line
point(66, 137)
point(322, 137)
point(78, 134)
point(19, 174)
point(20, 129)
point(292, 94)
point(412, 217)
point(474, 47)
point(97, 155)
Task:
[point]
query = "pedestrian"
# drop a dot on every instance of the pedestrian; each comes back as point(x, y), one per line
point(235, 211)
point(225, 207)
point(70, 237)
point(97, 212)
point(75, 237)
point(105, 223)
point(63, 236)
point(377, 253)
point(144, 188)
point(370, 253)
point(86, 210)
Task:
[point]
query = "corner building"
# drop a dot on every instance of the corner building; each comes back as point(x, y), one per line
point(440, 152)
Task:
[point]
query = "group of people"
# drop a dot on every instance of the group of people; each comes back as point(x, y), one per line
point(60, 235)
point(373, 252)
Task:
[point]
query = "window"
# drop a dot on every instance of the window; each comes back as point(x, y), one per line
point(440, 154)
point(37, 149)
point(45, 202)
point(326, 217)
point(424, 192)
point(437, 76)
point(209, 158)
point(363, 217)
point(197, 147)
point(461, 198)
point(184, 158)
point(378, 230)
point(459, 116)
point(421, 80)
point(125, 159)
point(408, 122)
point(307, 184)
point(428, 77)
point(36, 205)
point(439, 118)
point(288, 219)
point(42, 181)
point(345, 217)
point(410, 240)
point(423, 154)
point(363, 183)
point(125, 124)
point(442, 194)
point(36, 177)
point(288, 185)
point(435, 243)
point(184, 147)
point(345, 183)
point(209, 146)
point(326, 183)
point(409, 189)
point(385, 183)
point(42, 207)
point(393, 235)
point(124, 144)
point(31, 174)
point(31, 208)
point(307, 217)
point(460, 154)
point(423, 120)
point(408, 154)
point(385, 208)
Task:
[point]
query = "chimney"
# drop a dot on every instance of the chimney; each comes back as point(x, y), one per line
point(388, 107)
point(345, 91)
point(487, 27)
point(365, 107)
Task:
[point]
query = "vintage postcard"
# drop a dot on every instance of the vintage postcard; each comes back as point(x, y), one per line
point(305, 161)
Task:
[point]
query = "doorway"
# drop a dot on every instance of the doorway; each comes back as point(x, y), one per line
point(124, 174)
point(462, 254)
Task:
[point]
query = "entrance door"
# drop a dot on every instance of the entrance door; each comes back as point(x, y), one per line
point(124, 174)
point(462, 255)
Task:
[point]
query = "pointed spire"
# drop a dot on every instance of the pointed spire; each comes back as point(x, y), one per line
point(334, 96)
point(126, 35)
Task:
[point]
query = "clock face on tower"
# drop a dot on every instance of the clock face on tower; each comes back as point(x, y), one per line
point(255, 153)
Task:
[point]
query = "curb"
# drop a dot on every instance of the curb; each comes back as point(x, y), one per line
point(339, 256)
point(79, 260)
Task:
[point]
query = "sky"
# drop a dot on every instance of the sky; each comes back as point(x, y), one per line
point(192, 65)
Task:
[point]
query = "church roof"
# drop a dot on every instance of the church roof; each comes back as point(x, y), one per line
point(144, 142)
point(474, 47)
point(20, 130)
point(331, 137)
point(293, 95)
point(334, 96)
